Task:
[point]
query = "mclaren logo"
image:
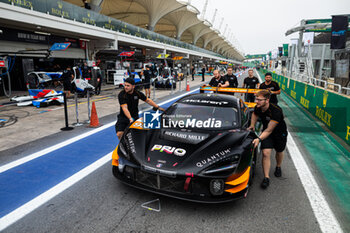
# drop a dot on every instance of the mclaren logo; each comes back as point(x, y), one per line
point(206, 102)
point(325, 97)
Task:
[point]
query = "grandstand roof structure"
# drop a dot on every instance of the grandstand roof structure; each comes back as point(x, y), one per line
point(177, 19)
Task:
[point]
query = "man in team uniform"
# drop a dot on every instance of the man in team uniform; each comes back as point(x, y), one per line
point(218, 80)
point(273, 136)
point(231, 78)
point(147, 74)
point(272, 86)
point(251, 82)
point(129, 101)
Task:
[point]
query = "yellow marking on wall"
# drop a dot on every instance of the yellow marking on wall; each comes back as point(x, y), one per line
point(323, 116)
point(304, 102)
point(347, 133)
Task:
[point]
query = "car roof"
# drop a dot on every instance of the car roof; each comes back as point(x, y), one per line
point(211, 99)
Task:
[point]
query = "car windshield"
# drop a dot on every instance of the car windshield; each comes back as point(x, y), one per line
point(182, 115)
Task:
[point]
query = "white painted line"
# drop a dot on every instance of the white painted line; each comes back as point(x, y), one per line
point(69, 141)
point(322, 211)
point(25, 209)
point(52, 148)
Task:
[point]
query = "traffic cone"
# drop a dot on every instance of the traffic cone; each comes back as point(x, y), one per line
point(94, 118)
point(188, 86)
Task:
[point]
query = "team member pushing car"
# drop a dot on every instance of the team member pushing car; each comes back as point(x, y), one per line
point(129, 101)
point(273, 136)
point(218, 80)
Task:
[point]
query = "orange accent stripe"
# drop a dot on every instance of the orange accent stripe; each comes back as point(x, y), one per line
point(115, 157)
point(229, 89)
point(240, 179)
point(238, 188)
point(274, 121)
point(250, 104)
point(138, 124)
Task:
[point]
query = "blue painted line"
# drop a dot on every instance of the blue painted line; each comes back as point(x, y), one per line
point(25, 182)
point(2, 120)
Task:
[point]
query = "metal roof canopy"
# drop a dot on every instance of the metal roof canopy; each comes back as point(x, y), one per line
point(173, 18)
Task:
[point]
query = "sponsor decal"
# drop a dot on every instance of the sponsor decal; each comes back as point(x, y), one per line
point(151, 120)
point(213, 158)
point(159, 165)
point(194, 123)
point(193, 137)
point(130, 144)
point(323, 116)
point(293, 94)
point(169, 150)
point(206, 102)
point(304, 102)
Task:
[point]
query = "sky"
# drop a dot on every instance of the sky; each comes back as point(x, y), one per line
point(260, 25)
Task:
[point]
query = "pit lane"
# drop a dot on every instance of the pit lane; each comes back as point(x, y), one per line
point(101, 203)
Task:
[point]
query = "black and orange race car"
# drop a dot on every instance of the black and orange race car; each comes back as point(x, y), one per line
point(202, 152)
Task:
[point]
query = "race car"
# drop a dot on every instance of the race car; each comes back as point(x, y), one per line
point(201, 150)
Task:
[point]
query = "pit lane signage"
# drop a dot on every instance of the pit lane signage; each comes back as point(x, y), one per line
point(126, 54)
point(60, 46)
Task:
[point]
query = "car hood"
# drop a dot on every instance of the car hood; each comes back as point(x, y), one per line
point(187, 152)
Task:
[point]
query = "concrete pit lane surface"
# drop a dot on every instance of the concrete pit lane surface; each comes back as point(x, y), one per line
point(74, 190)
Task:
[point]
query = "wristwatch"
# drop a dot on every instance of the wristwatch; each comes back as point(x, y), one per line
point(259, 139)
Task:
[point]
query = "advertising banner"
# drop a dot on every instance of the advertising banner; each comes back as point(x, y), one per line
point(339, 30)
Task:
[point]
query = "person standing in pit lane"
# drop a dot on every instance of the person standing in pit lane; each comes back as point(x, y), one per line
point(193, 71)
point(273, 136)
point(272, 86)
point(231, 78)
point(218, 80)
point(251, 82)
point(203, 73)
point(67, 77)
point(129, 101)
point(148, 74)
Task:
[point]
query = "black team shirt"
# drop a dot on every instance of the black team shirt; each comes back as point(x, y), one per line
point(251, 82)
point(273, 113)
point(132, 100)
point(273, 86)
point(214, 82)
point(232, 79)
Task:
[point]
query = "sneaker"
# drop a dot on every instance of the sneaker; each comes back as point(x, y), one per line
point(278, 172)
point(265, 183)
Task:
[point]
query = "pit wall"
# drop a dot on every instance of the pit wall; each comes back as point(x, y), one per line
point(329, 107)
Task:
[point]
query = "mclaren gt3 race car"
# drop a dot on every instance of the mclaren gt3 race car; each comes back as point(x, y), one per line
point(201, 152)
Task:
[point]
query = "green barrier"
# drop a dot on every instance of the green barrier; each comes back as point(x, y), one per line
point(331, 108)
point(66, 10)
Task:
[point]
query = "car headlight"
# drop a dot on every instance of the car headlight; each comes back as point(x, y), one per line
point(229, 165)
point(123, 151)
point(221, 169)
